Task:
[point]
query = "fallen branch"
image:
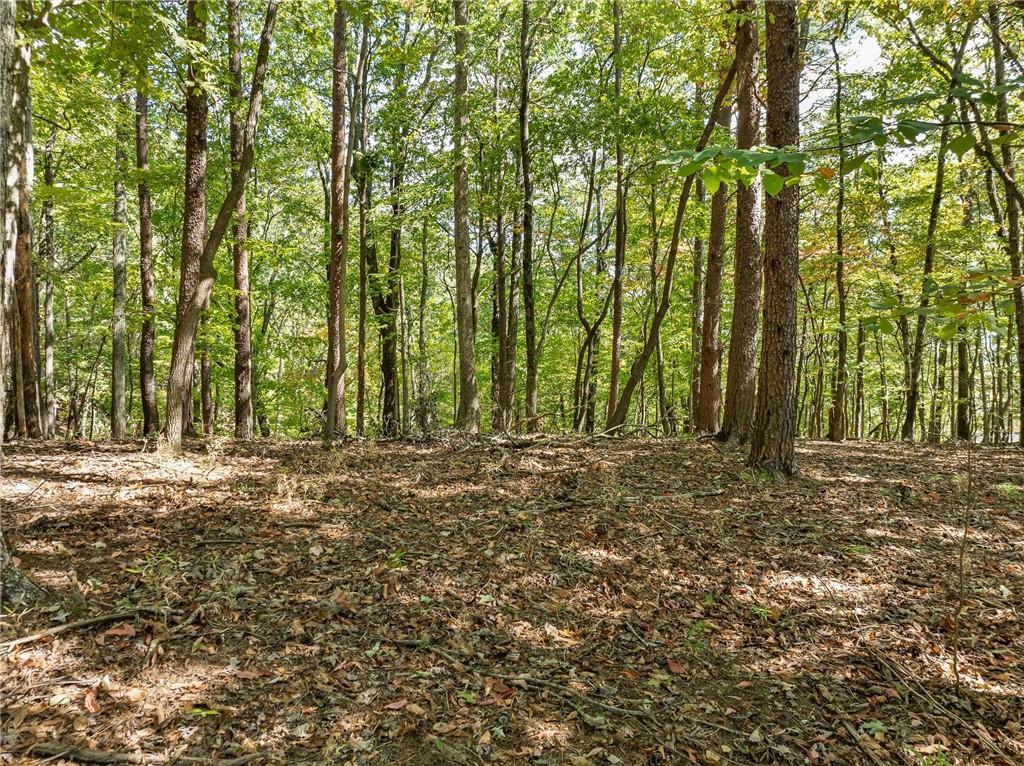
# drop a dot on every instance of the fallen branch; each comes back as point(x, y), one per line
point(84, 623)
point(87, 755)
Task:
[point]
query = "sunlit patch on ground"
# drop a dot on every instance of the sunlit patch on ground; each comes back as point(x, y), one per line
point(615, 601)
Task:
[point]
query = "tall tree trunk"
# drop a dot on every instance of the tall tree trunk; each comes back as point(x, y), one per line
point(529, 301)
point(696, 314)
point(710, 397)
point(620, 221)
point(837, 412)
point(239, 233)
point(198, 250)
point(336, 356)
point(772, 444)
point(24, 274)
point(938, 404)
point(963, 389)
point(858, 393)
point(468, 414)
point(741, 375)
point(423, 404)
point(9, 211)
point(118, 416)
point(46, 255)
point(362, 171)
point(1012, 209)
point(147, 341)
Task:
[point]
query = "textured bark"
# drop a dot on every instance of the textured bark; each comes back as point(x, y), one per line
point(772, 443)
point(147, 377)
point(118, 377)
point(8, 209)
point(741, 374)
point(837, 412)
point(709, 399)
point(620, 221)
point(529, 300)
point(239, 233)
point(336, 356)
point(361, 103)
point(46, 255)
point(963, 389)
point(1012, 211)
point(24, 274)
point(696, 316)
point(197, 272)
point(858, 392)
point(468, 414)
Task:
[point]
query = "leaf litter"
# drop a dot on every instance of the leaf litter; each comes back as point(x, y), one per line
point(534, 601)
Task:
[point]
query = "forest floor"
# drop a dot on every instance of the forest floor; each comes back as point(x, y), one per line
point(563, 601)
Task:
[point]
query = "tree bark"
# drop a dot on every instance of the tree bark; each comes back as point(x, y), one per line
point(197, 272)
point(620, 220)
point(239, 233)
point(772, 443)
point(468, 414)
point(118, 415)
point(1012, 210)
point(837, 412)
point(24, 276)
point(46, 255)
point(710, 398)
point(336, 356)
point(147, 340)
point(741, 375)
point(529, 300)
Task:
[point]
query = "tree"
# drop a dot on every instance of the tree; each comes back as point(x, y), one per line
point(118, 415)
point(239, 233)
point(339, 229)
point(468, 415)
point(620, 220)
point(529, 299)
point(198, 248)
point(741, 374)
point(772, 443)
point(147, 278)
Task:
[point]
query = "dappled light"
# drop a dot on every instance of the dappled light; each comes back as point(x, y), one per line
point(595, 601)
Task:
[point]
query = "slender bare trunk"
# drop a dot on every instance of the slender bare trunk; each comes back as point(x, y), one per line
point(147, 341)
point(118, 416)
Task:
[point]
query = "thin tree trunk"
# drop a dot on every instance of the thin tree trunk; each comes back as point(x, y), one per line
point(1013, 237)
point(20, 152)
point(198, 250)
point(772, 445)
point(147, 340)
point(858, 391)
point(239, 232)
point(361, 102)
point(8, 210)
point(468, 415)
point(118, 416)
point(46, 255)
point(336, 356)
point(636, 370)
point(741, 375)
point(837, 412)
point(696, 313)
point(529, 301)
point(710, 396)
point(963, 389)
point(620, 222)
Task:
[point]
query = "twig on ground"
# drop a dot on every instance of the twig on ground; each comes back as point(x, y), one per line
point(84, 623)
point(88, 755)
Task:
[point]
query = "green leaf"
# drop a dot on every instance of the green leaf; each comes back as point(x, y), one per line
point(773, 182)
point(853, 163)
point(962, 144)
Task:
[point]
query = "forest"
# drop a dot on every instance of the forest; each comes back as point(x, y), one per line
point(511, 381)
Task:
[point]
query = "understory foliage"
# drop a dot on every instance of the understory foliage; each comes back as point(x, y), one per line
point(909, 122)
